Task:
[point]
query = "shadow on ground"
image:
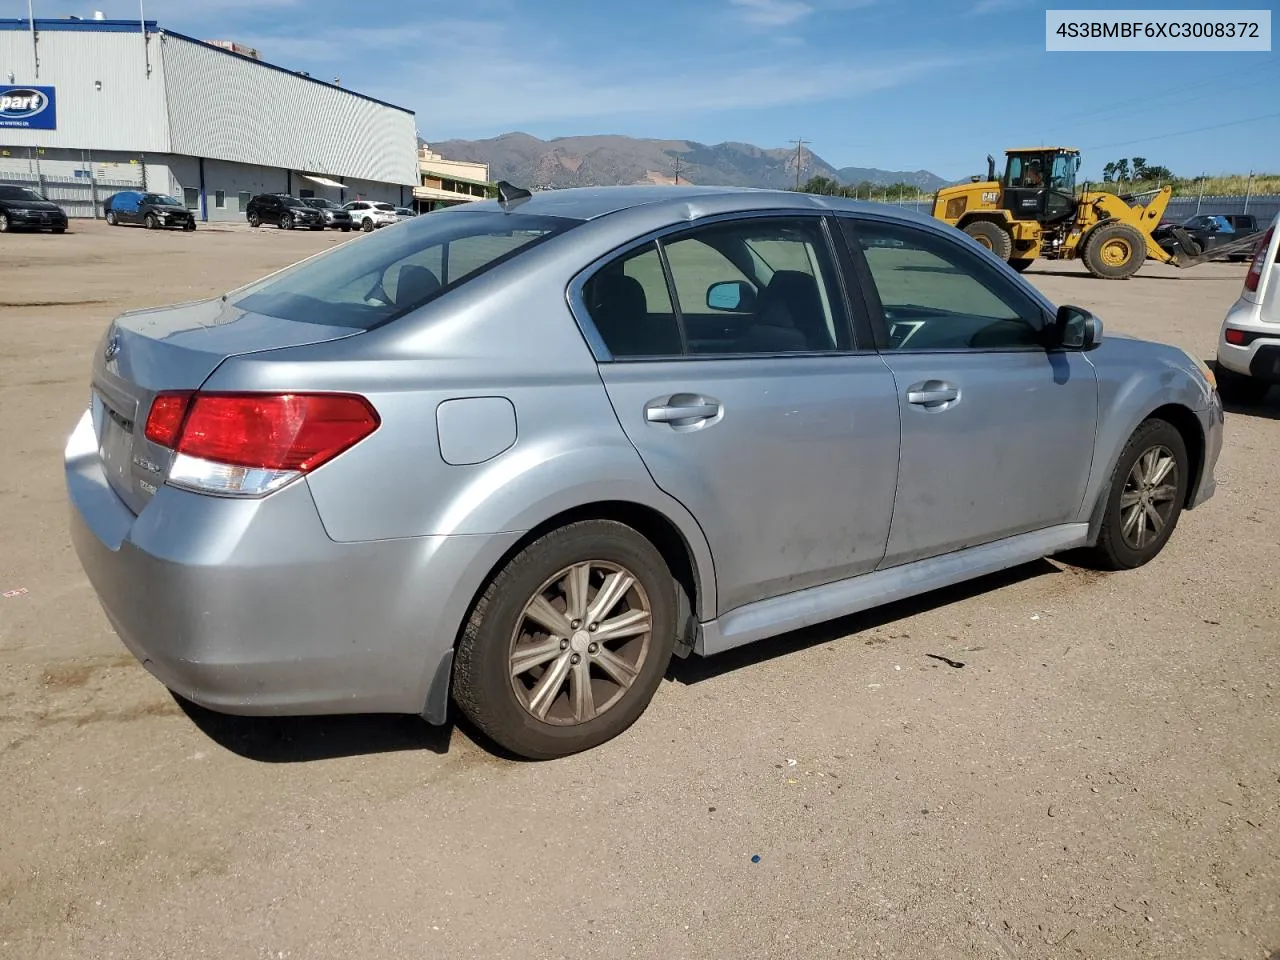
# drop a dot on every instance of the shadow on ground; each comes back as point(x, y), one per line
point(697, 669)
point(302, 739)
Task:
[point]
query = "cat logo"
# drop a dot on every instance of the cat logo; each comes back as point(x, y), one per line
point(991, 196)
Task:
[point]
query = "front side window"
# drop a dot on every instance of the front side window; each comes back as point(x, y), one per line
point(384, 276)
point(765, 286)
point(22, 194)
point(936, 295)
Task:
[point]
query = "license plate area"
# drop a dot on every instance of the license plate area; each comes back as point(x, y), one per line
point(115, 446)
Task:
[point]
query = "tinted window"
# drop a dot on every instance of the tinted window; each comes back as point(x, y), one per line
point(937, 295)
point(18, 193)
point(162, 201)
point(192, 197)
point(630, 306)
point(384, 206)
point(384, 276)
point(758, 286)
point(291, 202)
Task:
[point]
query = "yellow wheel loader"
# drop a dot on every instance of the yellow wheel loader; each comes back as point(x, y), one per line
point(1033, 212)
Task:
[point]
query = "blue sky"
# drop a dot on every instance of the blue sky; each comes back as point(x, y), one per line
point(880, 83)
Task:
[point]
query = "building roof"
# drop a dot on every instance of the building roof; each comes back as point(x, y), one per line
point(151, 26)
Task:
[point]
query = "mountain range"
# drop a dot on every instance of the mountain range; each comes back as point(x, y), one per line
point(596, 161)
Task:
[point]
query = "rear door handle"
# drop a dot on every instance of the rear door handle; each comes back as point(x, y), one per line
point(932, 393)
point(681, 409)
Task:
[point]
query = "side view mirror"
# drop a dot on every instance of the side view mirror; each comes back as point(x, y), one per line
point(1075, 328)
point(733, 295)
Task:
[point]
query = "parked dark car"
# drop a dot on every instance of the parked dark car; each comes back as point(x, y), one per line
point(284, 211)
point(152, 210)
point(21, 208)
point(1206, 231)
point(335, 214)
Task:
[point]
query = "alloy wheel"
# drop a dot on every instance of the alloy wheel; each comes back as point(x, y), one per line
point(580, 643)
point(1148, 499)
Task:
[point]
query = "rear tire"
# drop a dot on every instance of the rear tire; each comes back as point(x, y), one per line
point(1021, 263)
point(59, 229)
point(1239, 389)
point(510, 704)
point(6, 225)
point(346, 229)
point(1115, 251)
point(367, 225)
point(992, 236)
point(1145, 498)
point(255, 221)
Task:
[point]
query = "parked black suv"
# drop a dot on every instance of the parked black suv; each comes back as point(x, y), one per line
point(284, 211)
point(21, 208)
point(335, 214)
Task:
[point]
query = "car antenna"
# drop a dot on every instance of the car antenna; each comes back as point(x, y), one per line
point(509, 195)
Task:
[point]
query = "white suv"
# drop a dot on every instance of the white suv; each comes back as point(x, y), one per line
point(1249, 342)
point(366, 214)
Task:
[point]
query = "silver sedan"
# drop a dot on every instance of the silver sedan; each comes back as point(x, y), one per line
point(516, 455)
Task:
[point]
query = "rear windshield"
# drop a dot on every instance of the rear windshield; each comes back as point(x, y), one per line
point(383, 276)
point(384, 206)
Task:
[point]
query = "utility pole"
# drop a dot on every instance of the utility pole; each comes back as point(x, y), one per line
point(677, 169)
point(799, 142)
point(1248, 195)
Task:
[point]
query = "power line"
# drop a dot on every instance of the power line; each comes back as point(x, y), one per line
point(1183, 133)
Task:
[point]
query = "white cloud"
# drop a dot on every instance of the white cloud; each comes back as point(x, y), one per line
point(772, 13)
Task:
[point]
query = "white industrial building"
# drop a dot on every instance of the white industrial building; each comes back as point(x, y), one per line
point(89, 107)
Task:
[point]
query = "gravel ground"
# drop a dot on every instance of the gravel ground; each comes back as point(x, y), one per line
point(1100, 779)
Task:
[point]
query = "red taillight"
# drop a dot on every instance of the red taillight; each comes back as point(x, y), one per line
point(165, 419)
point(1235, 337)
point(290, 431)
point(1254, 276)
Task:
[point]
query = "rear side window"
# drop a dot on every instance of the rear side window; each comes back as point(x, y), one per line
point(759, 286)
point(388, 274)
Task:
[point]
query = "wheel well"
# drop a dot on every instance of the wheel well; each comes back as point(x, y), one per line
point(996, 219)
point(646, 521)
point(1186, 423)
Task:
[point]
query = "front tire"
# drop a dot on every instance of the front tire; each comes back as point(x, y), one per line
point(992, 236)
point(1239, 389)
point(286, 222)
point(111, 219)
point(152, 222)
point(567, 645)
point(6, 225)
point(1145, 500)
point(1115, 251)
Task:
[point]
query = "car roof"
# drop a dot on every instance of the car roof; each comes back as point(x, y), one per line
point(682, 203)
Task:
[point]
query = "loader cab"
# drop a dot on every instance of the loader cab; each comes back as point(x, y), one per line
point(1039, 184)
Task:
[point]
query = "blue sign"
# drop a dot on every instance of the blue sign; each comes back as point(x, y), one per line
point(28, 108)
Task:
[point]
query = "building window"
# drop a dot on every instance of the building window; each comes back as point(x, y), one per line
point(306, 194)
point(245, 197)
point(191, 197)
point(220, 199)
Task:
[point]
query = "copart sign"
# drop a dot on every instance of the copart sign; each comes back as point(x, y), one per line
point(28, 108)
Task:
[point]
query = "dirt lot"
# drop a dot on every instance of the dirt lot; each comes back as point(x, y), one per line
point(1101, 779)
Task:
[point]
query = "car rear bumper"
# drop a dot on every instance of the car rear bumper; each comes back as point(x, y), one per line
point(247, 607)
point(1260, 357)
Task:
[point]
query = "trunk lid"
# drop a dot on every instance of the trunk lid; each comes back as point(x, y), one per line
point(171, 348)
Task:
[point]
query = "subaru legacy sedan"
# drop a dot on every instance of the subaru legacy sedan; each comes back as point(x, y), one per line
point(516, 455)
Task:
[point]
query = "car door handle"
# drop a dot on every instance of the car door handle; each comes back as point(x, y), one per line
point(676, 410)
point(931, 393)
